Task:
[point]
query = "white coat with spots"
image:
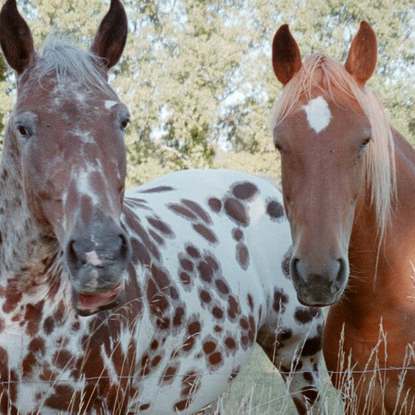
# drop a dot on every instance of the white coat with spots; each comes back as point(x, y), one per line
point(207, 278)
point(223, 243)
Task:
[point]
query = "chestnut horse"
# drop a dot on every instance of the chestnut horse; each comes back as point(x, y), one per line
point(148, 303)
point(348, 185)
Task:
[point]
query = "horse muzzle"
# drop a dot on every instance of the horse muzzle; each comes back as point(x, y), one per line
point(88, 303)
point(319, 287)
point(97, 288)
point(97, 266)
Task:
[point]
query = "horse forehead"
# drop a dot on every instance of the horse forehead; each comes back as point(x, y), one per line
point(318, 114)
point(73, 95)
point(69, 95)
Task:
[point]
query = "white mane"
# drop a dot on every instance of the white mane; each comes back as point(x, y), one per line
point(60, 56)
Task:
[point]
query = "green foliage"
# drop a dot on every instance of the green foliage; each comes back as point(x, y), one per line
point(197, 76)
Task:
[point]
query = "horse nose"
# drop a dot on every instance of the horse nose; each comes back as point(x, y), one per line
point(318, 285)
point(86, 251)
point(97, 262)
point(334, 271)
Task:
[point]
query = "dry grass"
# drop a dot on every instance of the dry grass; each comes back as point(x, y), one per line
point(259, 389)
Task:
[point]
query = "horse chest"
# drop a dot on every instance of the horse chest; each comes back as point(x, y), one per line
point(379, 340)
point(52, 367)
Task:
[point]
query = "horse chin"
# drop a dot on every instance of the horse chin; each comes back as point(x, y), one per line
point(319, 301)
point(87, 304)
point(316, 304)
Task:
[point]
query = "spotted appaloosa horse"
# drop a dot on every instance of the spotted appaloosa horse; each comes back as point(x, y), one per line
point(148, 303)
point(348, 186)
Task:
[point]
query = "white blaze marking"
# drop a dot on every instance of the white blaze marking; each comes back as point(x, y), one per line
point(84, 183)
point(109, 104)
point(318, 114)
point(93, 258)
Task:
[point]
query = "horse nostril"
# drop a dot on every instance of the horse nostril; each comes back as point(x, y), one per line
point(341, 274)
point(124, 247)
point(123, 239)
point(71, 250)
point(73, 254)
point(294, 268)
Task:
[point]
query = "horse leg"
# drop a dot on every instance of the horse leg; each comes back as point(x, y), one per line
point(298, 361)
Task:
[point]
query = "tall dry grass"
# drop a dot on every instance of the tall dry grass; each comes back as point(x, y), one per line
point(259, 389)
point(362, 391)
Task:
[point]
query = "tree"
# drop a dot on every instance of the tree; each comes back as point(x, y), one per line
point(197, 76)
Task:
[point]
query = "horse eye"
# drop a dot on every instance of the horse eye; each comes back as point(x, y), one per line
point(124, 123)
point(365, 142)
point(278, 146)
point(24, 131)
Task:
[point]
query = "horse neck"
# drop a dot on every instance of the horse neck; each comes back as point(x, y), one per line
point(378, 269)
point(27, 254)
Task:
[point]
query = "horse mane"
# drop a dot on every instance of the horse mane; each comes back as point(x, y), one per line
point(67, 61)
point(332, 80)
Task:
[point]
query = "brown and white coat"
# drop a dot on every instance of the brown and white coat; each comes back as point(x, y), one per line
point(148, 302)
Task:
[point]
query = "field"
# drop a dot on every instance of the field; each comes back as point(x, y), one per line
point(259, 390)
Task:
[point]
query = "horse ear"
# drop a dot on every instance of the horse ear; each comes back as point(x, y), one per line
point(361, 61)
point(286, 57)
point(110, 39)
point(15, 38)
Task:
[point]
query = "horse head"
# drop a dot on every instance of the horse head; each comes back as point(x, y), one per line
point(65, 138)
point(336, 155)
